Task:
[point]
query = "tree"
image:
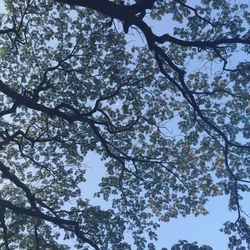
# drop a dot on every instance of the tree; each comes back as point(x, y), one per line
point(70, 85)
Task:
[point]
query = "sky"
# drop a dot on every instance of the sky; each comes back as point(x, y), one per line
point(203, 229)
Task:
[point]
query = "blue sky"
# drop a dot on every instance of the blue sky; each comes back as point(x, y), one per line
point(203, 229)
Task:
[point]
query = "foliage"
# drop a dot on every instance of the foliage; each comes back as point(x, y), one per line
point(169, 119)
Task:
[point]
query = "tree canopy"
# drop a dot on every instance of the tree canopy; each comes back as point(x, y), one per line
point(168, 115)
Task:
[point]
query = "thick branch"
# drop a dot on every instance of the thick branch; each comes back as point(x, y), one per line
point(111, 9)
point(57, 221)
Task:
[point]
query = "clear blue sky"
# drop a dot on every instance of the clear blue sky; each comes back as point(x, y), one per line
point(203, 229)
